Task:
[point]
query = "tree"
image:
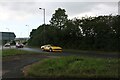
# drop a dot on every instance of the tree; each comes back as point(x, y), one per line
point(88, 33)
point(31, 33)
point(59, 18)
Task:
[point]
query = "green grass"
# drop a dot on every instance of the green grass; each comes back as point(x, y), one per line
point(74, 66)
point(12, 52)
point(88, 51)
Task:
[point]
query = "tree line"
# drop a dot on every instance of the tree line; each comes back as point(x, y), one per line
point(86, 33)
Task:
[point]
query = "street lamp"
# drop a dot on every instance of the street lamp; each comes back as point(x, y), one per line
point(9, 35)
point(44, 21)
point(28, 30)
point(43, 14)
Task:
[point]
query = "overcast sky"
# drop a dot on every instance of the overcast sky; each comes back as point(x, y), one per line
point(15, 15)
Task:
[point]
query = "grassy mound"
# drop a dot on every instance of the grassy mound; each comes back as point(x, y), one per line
point(74, 67)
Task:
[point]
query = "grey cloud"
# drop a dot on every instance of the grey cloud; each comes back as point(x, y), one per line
point(75, 7)
point(19, 6)
point(72, 8)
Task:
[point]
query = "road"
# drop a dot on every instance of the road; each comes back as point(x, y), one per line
point(51, 53)
point(65, 53)
point(13, 68)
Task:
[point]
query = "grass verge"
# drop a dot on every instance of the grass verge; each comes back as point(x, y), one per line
point(74, 67)
point(89, 51)
point(12, 52)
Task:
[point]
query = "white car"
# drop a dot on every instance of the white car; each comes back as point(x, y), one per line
point(7, 45)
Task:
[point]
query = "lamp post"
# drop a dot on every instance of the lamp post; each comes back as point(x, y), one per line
point(9, 35)
point(44, 21)
point(43, 13)
point(28, 30)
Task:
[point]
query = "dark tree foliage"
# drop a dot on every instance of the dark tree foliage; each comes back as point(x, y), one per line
point(88, 33)
point(59, 18)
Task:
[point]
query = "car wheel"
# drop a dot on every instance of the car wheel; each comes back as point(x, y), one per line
point(50, 49)
point(42, 49)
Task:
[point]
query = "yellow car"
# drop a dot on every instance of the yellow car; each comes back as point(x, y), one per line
point(51, 48)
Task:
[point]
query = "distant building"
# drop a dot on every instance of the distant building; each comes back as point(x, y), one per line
point(7, 37)
point(22, 39)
